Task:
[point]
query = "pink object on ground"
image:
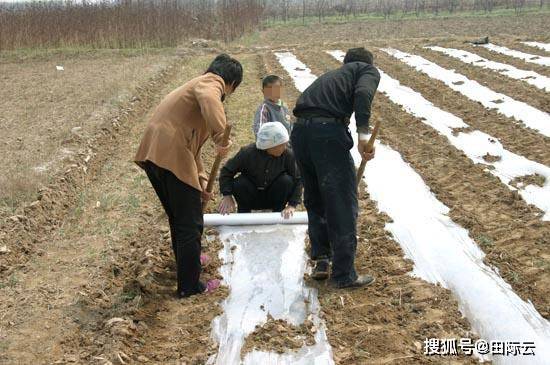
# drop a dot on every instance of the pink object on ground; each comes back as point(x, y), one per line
point(205, 259)
point(212, 285)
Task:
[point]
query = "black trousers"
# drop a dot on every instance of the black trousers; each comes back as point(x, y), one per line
point(322, 151)
point(182, 203)
point(274, 197)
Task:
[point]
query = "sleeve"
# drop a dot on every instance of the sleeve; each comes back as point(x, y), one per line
point(231, 168)
point(294, 172)
point(200, 168)
point(365, 89)
point(208, 94)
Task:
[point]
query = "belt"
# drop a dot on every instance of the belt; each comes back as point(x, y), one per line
point(305, 120)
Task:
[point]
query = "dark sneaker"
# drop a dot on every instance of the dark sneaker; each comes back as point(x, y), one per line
point(321, 270)
point(362, 280)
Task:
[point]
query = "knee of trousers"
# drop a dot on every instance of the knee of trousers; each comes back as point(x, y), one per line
point(284, 181)
point(242, 185)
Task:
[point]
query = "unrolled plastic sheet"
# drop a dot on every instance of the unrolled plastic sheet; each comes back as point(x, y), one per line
point(531, 77)
point(527, 57)
point(543, 46)
point(528, 115)
point(253, 219)
point(264, 268)
point(475, 144)
point(443, 253)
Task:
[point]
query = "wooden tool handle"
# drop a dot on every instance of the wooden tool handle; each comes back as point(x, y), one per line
point(216, 165)
point(370, 145)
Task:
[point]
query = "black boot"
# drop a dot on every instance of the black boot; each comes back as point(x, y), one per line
point(321, 269)
point(362, 280)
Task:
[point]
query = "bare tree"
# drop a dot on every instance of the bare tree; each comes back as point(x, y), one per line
point(320, 8)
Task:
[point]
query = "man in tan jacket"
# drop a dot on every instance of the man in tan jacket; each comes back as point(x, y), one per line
point(170, 154)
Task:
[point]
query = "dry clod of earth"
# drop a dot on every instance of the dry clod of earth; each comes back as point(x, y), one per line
point(533, 179)
point(277, 335)
point(457, 131)
point(491, 158)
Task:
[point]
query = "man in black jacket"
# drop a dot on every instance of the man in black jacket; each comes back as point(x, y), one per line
point(321, 142)
point(269, 178)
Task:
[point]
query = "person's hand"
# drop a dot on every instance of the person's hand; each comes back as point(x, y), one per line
point(365, 153)
point(224, 150)
point(206, 196)
point(288, 212)
point(227, 205)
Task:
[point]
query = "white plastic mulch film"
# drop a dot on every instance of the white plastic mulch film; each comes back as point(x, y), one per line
point(475, 144)
point(527, 57)
point(531, 77)
point(444, 253)
point(525, 113)
point(539, 45)
point(253, 219)
point(264, 268)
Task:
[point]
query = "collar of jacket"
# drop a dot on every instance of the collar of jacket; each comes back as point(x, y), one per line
point(279, 104)
point(219, 78)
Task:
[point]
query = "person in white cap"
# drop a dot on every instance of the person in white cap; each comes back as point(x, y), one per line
point(262, 175)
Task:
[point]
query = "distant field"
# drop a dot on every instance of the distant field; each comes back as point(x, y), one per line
point(525, 25)
point(47, 112)
point(410, 15)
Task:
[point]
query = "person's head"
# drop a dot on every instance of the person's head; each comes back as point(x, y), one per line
point(359, 54)
point(272, 138)
point(271, 87)
point(229, 69)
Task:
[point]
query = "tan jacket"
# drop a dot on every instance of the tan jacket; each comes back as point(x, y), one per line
point(180, 125)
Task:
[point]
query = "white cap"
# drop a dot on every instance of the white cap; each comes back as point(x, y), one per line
point(270, 135)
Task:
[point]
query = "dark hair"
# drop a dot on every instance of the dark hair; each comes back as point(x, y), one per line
point(229, 69)
point(270, 80)
point(358, 55)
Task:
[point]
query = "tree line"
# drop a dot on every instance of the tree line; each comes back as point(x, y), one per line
point(124, 24)
point(165, 23)
point(284, 10)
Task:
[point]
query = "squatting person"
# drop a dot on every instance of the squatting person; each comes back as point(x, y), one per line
point(170, 155)
point(267, 175)
point(321, 142)
point(272, 108)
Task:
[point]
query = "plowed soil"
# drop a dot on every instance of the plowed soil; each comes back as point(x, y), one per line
point(87, 274)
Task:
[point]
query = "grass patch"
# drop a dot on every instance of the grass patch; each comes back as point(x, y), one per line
point(514, 277)
point(443, 14)
point(484, 241)
point(10, 282)
point(128, 295)
point(39, 54)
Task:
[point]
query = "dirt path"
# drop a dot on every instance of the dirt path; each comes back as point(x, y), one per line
point(503, 225)
point(389, 320)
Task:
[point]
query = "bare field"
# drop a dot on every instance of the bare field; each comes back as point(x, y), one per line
point(523, 27)
point(89, 274)
point(47, 112)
